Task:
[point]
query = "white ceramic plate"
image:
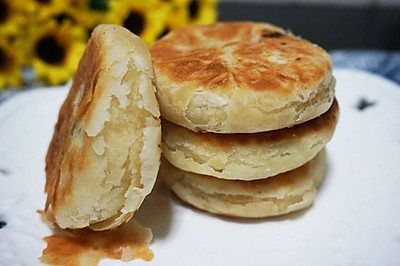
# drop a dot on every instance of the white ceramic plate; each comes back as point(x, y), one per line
point(355, 219)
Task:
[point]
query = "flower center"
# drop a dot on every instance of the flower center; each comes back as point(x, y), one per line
point(193, 9)
point(50, 50)
point(3, 58)
point(43, 1)
point(162, 34)
point(134, 22)
point(5, 62)
point(60, 18)
point(4, 10)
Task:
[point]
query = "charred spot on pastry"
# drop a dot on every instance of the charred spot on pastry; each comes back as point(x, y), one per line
point(364, 104)
point(271, 34)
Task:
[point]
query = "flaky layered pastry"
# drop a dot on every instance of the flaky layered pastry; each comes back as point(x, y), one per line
point(280, 194)
point(104, 155)
point(248, 156)
point(240, 77)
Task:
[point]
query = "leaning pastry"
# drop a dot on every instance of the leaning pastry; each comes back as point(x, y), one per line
point(105, 152)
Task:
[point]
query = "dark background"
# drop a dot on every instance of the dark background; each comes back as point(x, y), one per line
point(332, 27)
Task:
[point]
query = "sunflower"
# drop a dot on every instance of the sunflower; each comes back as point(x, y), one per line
point(11, 20)
point(201, 11)
point(10, 63)
point(55, 50)
point(88, 19)
point(178, 15)
point(88, 13)
point(77, 12)
point(146, 19)
point(40, 10)
point(186, 12)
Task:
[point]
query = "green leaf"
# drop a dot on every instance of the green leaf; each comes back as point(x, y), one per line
point(100, 5)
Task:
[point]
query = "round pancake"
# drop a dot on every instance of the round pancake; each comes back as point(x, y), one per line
point(240, 77)
point(248, 156)
point(105, 152)
point(281, 194)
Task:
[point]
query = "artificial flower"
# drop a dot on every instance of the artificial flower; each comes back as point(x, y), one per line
point(39, 10)
point(88, 13)
point(146, 19)
point(186, 12)
point(10, 65)
point(178, 15)
point(202, 11)
point(50, 35)
point(11, 20)
point(55, 50)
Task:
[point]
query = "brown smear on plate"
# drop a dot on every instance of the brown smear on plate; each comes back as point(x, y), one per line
point(86, 247)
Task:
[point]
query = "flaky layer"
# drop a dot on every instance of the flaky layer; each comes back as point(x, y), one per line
point(281, 194)
point(248, 156)
point(104, 156)
point(240, 78)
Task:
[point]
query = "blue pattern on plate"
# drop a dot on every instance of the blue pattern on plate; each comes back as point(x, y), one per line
point(384, 63)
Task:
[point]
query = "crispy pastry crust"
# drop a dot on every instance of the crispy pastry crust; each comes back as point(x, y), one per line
point(104, 155)
point(281, 194)
point(240, 77)
point(248, 156)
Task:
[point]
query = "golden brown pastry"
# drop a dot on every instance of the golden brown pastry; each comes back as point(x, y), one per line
point(248, 156)
point(241, 77)
point(280, 194)
point(104, 155)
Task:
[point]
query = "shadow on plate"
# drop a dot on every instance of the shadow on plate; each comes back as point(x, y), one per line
point(156, 211)
point(284, 217)
point(239, 220)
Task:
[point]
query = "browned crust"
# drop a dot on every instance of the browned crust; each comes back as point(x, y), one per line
point(226, 55)
point(240, 77)
point(74, 106)
point(104, 155)
point(280, 194)
point(325, 124)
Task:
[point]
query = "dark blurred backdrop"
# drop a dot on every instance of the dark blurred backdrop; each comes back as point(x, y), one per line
point(332, 27)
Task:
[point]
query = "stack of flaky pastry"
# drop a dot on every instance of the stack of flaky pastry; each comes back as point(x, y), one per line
point(247, 110)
